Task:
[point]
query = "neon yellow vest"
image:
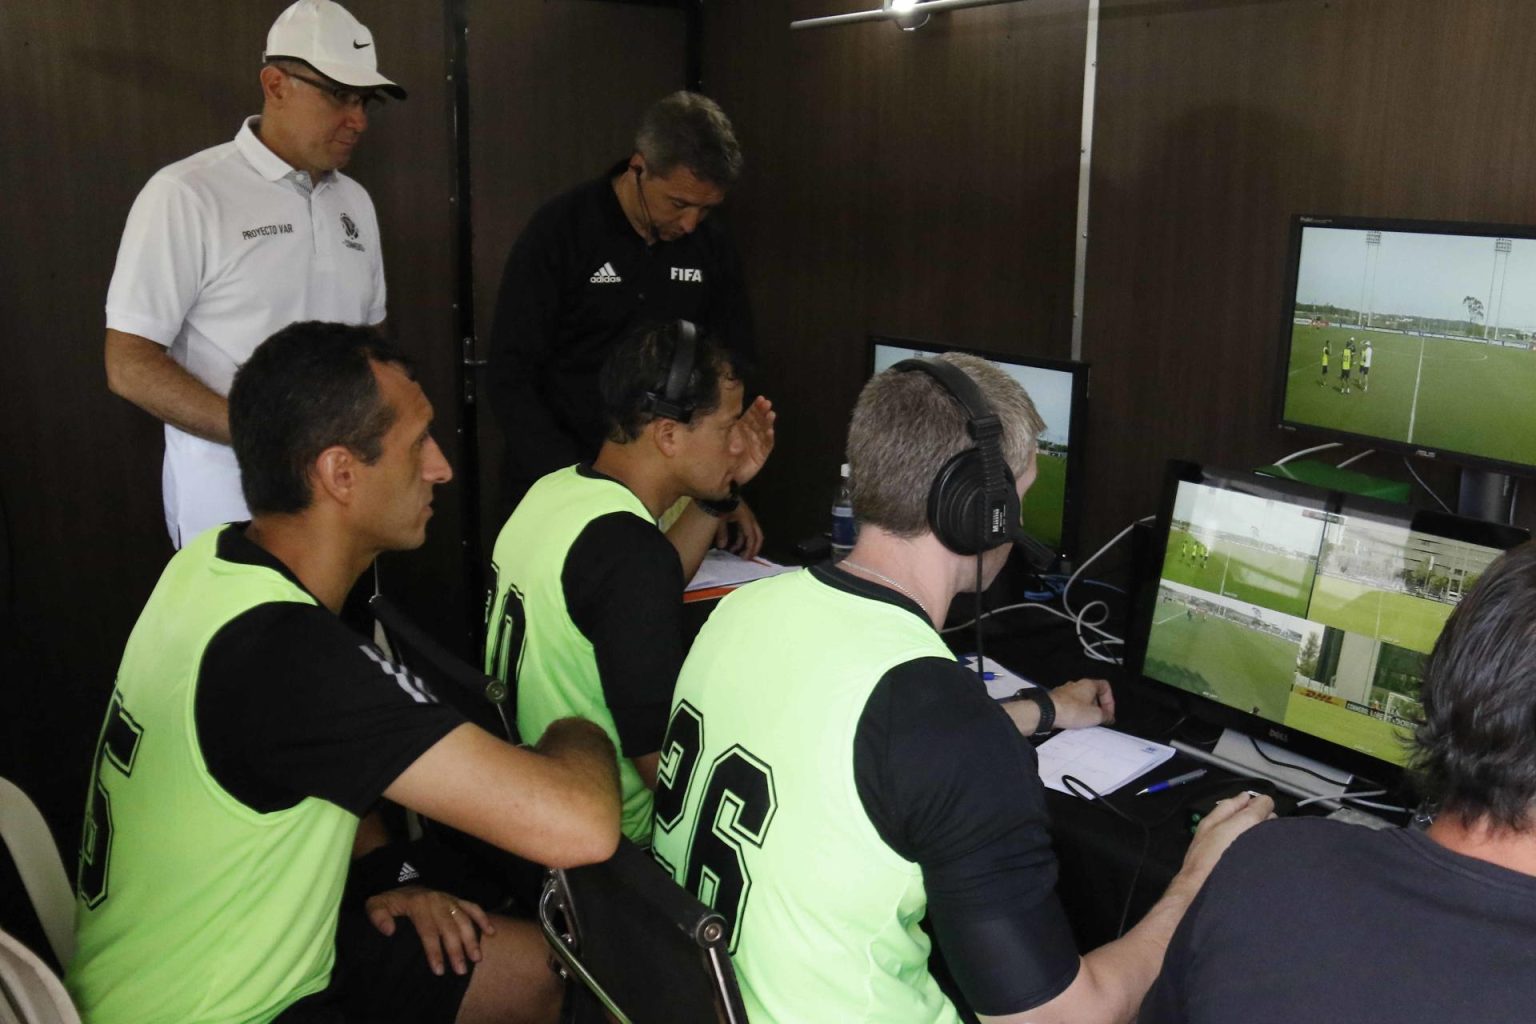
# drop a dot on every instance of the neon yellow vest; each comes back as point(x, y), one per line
point(530, 634)
point(192, 907)
point(758, 814)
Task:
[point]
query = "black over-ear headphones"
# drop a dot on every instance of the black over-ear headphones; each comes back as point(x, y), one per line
point(973, 504)
point(670, 400)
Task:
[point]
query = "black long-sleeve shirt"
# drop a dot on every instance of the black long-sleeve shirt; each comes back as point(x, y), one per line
point(578, 280)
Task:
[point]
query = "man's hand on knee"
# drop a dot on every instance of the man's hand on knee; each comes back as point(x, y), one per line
point(446, 925)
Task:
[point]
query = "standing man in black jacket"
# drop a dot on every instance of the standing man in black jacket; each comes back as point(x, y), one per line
point(630, 248)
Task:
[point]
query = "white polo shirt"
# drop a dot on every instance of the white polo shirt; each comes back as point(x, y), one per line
point(220, 251)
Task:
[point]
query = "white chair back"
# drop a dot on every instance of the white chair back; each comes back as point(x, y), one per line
point(37, 861)
point(29, 991)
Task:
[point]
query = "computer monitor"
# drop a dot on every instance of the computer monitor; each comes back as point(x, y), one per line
point(1059, 389)
point(1437, 322)
point(1303, 616)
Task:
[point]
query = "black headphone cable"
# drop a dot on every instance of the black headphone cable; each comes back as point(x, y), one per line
point(650, 222)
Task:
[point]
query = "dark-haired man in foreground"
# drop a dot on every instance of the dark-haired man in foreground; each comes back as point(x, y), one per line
point(1313, 920)
point(587, 614)
point(249, 730)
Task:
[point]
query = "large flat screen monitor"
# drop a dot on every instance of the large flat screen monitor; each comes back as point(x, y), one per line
point(1059, 389)
point(1429, 334)
point(1300, 615)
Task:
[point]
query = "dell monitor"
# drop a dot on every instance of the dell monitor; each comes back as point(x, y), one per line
point(1059, 389)
point(1414, 336)
point(1303, 616)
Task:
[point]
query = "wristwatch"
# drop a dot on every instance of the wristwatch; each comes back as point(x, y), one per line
point(718, 507)
point(1042, 700)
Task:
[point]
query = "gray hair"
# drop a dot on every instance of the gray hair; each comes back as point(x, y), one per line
point(906, 426)
point(689, 130)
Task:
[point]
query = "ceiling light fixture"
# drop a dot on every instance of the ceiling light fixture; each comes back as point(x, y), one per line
point(908, 14)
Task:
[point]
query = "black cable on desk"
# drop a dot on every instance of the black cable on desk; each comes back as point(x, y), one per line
point(1296, 767)
point(1074, 784)
point(1079, 788)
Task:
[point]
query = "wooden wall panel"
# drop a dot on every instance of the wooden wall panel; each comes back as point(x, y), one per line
point(100, 96)
point(1216, 122)
point(406, 163)
point(919, 184)
point(556, 91)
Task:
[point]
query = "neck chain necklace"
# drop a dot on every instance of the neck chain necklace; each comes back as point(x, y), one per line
point(866, 570)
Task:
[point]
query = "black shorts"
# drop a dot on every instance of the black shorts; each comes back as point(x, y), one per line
point(1344, 374)
point(1365, 371)
point(1325, 369)
point(380, 979)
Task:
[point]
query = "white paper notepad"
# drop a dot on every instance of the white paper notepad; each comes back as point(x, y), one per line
point(1001, 682)
point(723, 569)
point(1102, 758)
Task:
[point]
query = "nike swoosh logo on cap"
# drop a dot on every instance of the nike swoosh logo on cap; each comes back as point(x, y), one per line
point(360, 46)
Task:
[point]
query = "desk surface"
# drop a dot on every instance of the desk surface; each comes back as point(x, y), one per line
point(1107, 863)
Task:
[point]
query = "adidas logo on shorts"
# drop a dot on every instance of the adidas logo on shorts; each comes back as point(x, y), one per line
point(605, 275)
point(408, 873)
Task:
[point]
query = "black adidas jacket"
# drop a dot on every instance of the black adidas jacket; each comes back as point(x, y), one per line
point(578, 280)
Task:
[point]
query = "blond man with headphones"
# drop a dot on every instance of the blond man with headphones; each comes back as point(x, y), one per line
point(831, 774)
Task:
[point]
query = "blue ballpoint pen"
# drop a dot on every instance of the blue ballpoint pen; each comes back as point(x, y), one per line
point(968, 662)
point(1177, 780)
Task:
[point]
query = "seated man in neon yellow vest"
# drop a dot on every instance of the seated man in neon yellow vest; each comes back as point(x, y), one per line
point(586, 615)
point(249, 730)
point(831, 774)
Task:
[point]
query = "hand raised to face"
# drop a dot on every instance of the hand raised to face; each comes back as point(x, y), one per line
point(754, 430)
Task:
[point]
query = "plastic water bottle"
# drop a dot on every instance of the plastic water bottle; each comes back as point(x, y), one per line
point(843, 531)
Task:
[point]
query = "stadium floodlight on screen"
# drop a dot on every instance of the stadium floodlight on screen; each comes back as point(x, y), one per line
point(1059, 389)
point(1418, 336)
point(1303, 616)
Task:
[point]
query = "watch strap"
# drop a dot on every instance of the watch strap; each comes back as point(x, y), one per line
point(718, 507)
point(1042, 700)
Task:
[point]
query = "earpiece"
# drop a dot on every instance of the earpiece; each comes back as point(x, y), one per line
point(650, 222)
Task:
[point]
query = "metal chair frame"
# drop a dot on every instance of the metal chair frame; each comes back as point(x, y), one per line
point(560, 918)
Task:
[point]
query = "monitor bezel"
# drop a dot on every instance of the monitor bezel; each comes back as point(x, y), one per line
point(1301, 221)
point(1072, 490)
point(1430, 521)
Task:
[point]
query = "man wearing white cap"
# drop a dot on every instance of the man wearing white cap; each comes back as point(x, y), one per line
point(232, 244)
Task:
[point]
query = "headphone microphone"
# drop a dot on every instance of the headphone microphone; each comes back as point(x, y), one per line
point(1036, 552)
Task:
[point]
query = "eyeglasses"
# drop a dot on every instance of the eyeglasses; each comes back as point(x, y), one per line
point(343, 95)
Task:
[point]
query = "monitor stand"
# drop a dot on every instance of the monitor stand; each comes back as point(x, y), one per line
point(1236, 752)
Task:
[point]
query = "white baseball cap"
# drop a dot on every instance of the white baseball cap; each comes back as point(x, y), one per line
point(325, 36)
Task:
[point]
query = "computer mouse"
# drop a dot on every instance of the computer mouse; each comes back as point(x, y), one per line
point(1203, 804)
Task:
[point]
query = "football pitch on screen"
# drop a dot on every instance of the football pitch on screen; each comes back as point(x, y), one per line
point(1347, 728)
point(1043, 503)
point(1265, 578)
point(1210, 656)
point(1388, 615)
point(1461, 396)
